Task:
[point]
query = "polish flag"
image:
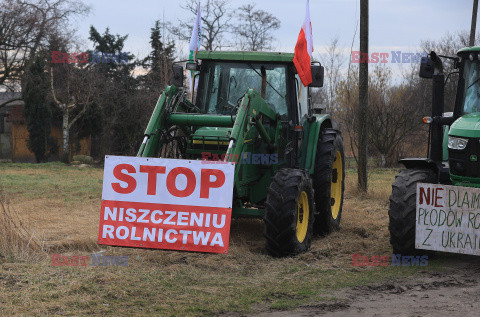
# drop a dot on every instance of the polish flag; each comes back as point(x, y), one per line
point(303, 50)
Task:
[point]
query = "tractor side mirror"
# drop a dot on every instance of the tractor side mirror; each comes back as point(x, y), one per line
point(192, 66)
point(427, 67)
point(317, 76)
point(177, 76)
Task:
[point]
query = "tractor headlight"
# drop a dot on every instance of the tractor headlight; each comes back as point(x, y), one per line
point(457, 143)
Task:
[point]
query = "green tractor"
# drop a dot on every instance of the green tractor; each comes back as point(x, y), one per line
point(251, 108)
point(454, 144)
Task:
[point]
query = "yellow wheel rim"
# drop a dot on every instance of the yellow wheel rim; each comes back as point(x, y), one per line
point(303, 213)
point(336, 188)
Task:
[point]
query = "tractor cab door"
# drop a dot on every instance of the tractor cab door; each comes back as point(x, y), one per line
point(302, 99)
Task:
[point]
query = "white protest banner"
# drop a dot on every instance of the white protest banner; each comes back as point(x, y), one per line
point(448, 219)
point(166, 204)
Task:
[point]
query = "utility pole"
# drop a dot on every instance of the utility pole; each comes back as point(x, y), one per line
point(363, 99)
point(474, 23)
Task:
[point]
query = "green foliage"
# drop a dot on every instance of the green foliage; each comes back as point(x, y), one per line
point(159, 61)
point(37, 110)
point(90, 123)
point(119, 105)
point(106, 44)
point(122, 110)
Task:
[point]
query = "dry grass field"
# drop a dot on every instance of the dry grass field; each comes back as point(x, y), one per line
point(60, 206)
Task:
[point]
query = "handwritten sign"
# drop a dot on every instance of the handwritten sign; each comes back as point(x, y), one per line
point(448, 219)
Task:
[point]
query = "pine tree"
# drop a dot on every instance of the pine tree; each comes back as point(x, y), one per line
point(106, 45)
point(159, 61)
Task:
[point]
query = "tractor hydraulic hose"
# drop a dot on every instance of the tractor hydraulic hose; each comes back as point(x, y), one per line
point(436, 137)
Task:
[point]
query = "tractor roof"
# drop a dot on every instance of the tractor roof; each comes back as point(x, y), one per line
point(246, 56)
point(469, 49)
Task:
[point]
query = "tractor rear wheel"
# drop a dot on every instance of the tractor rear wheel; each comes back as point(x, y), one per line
point(289, 213)
point(328, 181)
point(402, 212)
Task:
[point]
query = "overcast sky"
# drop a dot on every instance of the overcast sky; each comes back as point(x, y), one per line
point(394, 25)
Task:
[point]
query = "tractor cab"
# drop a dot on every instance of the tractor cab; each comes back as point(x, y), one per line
point(222, 79)
point(464, 133)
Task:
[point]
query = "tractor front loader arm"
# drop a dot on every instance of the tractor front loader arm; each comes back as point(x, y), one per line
point(253, 108)
point(157, 122)
point(255, 118)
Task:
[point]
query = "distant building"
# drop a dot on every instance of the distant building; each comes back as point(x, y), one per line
point(14, 133)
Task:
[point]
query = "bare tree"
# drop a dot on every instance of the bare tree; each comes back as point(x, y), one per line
point(73, 89)
point(25, 26)
point(254, 28)
point(347, 112)
point(332, 59)
point(393, 116)
point(215, 19)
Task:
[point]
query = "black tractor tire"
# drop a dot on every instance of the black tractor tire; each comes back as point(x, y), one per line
point(402, 211)
point(329, 174)
point(289, 213)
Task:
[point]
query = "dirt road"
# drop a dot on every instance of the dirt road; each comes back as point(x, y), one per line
point(453, 292)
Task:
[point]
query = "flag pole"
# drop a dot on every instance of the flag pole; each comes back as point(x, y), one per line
point(193, 77)
point(194, 45)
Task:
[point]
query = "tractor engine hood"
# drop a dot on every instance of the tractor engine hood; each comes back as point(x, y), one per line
point(467, 126)
point(209, 141)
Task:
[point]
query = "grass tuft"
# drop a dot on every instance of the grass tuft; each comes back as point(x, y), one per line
point(16, 242)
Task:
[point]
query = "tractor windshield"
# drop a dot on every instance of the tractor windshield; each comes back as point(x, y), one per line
point(471, 95)
point(225, 83)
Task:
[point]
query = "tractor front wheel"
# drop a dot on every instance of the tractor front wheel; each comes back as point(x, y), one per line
point(402, 210)
point(289, 213)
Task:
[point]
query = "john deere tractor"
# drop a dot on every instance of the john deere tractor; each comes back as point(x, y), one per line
point(454, 144)
point(252, 109)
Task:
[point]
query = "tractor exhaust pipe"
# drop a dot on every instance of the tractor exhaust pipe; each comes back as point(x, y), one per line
point(432, 67)
point(436, 141)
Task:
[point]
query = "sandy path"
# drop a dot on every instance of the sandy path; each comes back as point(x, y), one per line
point(454, 292)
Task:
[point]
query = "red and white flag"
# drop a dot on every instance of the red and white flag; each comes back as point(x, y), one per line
point(303, 50)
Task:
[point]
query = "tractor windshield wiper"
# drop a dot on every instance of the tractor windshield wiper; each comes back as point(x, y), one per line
point(250, 65)
point(476, 80)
